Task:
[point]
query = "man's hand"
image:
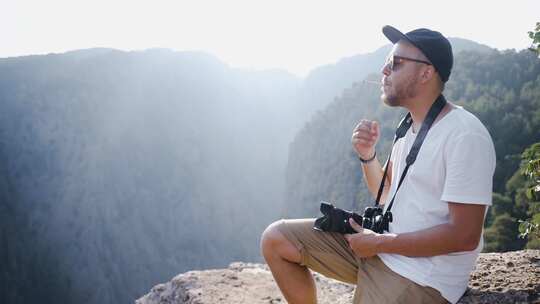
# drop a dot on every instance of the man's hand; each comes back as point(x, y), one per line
point(364, 138)
point(365, 242)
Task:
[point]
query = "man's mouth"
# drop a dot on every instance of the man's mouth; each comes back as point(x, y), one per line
point(385, 86)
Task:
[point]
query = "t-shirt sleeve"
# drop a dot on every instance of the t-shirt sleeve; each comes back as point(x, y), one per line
point(470, 164)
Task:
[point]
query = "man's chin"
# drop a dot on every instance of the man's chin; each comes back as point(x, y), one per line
point(389, 101)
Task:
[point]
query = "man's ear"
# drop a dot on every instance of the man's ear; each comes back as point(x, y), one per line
point(428, 72)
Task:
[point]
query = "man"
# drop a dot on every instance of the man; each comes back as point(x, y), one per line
point(438, 213)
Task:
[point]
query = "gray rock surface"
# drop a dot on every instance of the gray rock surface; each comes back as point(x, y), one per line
point(511, 277)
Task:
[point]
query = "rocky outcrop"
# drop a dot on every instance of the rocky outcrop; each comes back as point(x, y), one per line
point(512, 277)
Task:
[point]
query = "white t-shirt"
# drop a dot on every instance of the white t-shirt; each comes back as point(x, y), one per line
point(455, 164)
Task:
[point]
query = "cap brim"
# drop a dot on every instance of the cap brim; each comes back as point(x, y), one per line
point(393, 34)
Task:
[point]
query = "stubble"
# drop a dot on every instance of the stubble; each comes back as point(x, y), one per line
point(395, 94)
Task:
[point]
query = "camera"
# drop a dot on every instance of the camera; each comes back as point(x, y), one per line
point(337, 220)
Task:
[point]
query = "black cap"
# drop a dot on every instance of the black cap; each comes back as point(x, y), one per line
point(432, 43)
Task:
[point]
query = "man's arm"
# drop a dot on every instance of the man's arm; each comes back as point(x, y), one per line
point(364, 138)
point(373, 173)
point(461, 233)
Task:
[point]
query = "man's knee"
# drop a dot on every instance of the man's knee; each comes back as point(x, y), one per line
point(274, 243)
point(270, 238)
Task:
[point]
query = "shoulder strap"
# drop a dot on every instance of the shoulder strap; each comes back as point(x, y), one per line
point(404, 126)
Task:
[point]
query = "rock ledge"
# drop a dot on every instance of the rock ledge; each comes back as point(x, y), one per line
point(511, 277)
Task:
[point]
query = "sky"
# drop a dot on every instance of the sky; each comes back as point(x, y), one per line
point(295, 35)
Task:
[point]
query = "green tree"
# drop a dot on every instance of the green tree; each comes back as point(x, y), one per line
point(530, 168)
point(501, 204)
point(501, 235)
point(535, 36)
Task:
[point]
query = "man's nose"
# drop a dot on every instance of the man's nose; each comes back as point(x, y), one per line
point(386, 69)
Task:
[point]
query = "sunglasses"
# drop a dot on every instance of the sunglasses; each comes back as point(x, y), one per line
point(393, 62)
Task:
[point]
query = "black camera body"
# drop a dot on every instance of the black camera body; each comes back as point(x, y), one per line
point(337, 220)
point(376, 220)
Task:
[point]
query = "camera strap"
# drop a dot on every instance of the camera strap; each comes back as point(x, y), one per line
point(404, 126)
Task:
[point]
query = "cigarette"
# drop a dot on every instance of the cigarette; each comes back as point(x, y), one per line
point(371, 82)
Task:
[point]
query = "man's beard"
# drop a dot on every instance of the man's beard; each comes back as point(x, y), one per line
point(395, 95)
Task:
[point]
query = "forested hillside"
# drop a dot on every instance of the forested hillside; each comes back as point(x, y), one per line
point(120, 170)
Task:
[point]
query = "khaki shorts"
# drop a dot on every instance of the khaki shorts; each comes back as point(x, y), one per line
point(329, 254)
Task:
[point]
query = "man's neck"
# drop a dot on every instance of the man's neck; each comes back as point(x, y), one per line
point(419, 107)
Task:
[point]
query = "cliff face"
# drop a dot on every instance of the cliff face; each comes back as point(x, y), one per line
point(512, 277)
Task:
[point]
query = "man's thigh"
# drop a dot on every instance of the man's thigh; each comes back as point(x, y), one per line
point(330, 254)
point(379, 284)
point(323, 252)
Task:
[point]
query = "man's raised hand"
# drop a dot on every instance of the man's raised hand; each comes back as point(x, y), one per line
point(364, 138)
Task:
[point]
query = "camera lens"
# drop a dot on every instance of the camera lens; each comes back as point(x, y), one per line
point(368, 212)
point(367, 223)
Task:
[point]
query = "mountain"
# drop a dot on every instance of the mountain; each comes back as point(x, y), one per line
point(120, 169)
